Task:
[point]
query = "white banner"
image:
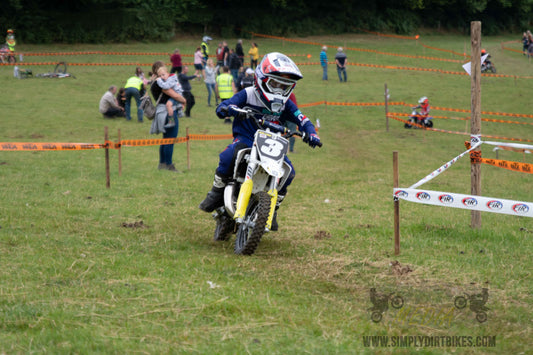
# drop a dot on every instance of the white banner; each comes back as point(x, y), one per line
point(467, 202)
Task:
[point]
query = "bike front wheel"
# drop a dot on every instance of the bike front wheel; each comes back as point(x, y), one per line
point(250, 231)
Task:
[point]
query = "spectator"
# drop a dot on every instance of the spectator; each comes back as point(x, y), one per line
point(205, 49)
point(175, 59)
point(166, 150)
point(234, 64)
point(186, 86)
point(254, 55)
point(220, 56)
point(108, 104)
point(134, 86)
point(324, 63)
point(530, 44)
point(340, 60)
point(170, 81)
point(239, 51)
point(525, 43)
point(140, 74)
point(198, 62)
point(210, 80)
point(121, 98)
point(226, 53)
point(246, 79)
point(225, 87)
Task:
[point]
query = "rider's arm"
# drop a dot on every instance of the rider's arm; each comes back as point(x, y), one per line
point(296, 116)
point(239, 100)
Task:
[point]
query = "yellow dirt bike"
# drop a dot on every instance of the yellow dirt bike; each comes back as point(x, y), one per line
point(250, 197)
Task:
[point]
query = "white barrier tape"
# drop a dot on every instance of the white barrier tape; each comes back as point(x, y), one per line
point(467, 202)
point(443, 168)
point(511, 145)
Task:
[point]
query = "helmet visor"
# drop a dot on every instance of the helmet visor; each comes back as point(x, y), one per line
point(280, 86)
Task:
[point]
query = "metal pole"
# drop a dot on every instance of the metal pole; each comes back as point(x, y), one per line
point(396, 183)
point(119, 154)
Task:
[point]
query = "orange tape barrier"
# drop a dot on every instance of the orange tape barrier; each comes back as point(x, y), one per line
point(466, 118)
point(49, 146)
point(455, 132)
point(50, 54)
point(17, 146)
point(509, 165)
point(512, 49)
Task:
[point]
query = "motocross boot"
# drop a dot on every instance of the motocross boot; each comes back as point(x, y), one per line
point(215, 197)
point(274, 227)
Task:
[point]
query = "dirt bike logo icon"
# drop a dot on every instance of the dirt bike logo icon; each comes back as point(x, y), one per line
point(477, 304)
point(380, 303)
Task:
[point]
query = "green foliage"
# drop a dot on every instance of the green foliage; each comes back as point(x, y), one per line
point(96, 21)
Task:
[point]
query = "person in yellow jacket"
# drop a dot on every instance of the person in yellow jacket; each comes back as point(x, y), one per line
point(254, 55)
point(134, 86)
point(225, 87)
point(10, 40)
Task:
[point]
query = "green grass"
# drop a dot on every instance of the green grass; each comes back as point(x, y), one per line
point(80, 274)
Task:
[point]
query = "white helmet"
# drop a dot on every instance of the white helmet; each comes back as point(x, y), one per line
point(206, 38)
point(275, 78)
point(423, 100)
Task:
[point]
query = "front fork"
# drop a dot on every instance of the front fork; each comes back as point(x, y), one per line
point(246, 191)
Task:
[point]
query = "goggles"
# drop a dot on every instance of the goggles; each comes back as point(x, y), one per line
point(278, 85)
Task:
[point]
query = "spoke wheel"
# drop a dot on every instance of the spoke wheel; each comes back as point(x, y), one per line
point(249, 232)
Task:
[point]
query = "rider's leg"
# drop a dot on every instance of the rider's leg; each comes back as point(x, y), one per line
point(215, 197)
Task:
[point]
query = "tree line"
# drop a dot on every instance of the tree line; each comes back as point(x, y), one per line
point(100, 21)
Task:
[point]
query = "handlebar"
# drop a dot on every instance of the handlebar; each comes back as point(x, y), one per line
point(286, 133)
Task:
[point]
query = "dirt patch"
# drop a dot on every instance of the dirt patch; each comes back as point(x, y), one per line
point(36, 135)
point(322, 235)
point(137, 224)
point(399, 270)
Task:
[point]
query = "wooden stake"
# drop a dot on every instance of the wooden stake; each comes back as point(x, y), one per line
point(107, 176)
point(119, 154)
point(387, 106)
point(396, 183)
point(475, 116)
point(188, 149)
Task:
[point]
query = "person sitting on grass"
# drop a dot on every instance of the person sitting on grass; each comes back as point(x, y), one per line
point(170, 81)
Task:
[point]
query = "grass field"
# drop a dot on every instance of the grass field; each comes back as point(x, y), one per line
point(81, 274)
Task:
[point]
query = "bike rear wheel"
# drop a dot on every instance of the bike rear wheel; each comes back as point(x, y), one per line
point(249, 232)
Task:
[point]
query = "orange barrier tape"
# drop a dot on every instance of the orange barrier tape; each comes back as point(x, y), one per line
point(16, 146)
point(455, 132)
point(466, 118)
point(50, 54)
point(509, 165)
point(512, 49)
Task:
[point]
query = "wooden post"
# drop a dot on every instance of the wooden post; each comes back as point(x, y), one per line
point(396, 183)
point(188, 149)
point(107, 176)
point(387, 106)
point(475, 116)
point(119, 154)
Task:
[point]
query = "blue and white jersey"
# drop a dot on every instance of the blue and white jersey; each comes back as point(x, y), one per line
point(246, 127)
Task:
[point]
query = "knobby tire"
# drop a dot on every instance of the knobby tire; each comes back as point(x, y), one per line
point(249, 232)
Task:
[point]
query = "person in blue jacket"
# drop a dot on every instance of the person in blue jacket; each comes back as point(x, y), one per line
point(268, 98)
